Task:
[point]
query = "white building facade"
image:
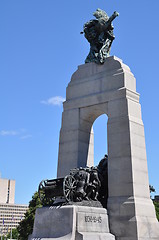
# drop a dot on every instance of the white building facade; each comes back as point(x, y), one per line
point(7, 190)
point(10, 216)
point(10, 213)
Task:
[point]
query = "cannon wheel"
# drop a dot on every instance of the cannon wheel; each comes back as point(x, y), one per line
point(69, 187)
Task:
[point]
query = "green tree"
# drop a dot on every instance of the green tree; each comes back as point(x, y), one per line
point(25, 227)
point(152, 189)
point(157, 209)
point(14, 234)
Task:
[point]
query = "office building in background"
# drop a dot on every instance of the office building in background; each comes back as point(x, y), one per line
point(7, 191)
point(10, 213)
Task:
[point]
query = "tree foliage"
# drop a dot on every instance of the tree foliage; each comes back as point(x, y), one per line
point(14, 234)
point(152, 189)
point(157, 209)
point(25, 227)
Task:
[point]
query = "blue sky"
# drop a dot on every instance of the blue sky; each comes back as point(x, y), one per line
point(40, 48)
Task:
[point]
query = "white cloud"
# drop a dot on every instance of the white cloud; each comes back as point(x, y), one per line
point(22, 133)
point(8, 133)
point(26, 136)
point(58, 100)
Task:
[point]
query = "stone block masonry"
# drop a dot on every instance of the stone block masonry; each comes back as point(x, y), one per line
point(111, 89)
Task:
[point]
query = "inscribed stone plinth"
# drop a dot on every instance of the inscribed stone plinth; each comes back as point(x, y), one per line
point(111, 89)
point(71, 223)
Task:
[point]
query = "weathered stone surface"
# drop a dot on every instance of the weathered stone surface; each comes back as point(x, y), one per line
point(111, 89)
point(94, 90)
point(86, 203)
point(71, 223)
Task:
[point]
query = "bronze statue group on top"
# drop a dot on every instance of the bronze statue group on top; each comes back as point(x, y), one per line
point(99, 33)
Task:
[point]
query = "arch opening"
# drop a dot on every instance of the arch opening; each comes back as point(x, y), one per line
point(98, 142)
point(100, 138)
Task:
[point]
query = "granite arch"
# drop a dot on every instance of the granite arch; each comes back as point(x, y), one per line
point(111, 89)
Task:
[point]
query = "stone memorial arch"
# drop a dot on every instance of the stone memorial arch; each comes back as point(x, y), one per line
point(110, 89)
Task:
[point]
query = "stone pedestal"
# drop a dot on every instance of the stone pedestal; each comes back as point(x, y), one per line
point(71, 223)
point(111, 89)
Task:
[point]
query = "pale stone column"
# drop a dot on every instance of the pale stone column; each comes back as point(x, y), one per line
point(131, 211)
point(76, 146)
point(68, 144)
point(90, 157)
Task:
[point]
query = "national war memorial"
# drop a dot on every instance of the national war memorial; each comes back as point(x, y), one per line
point(110, 201)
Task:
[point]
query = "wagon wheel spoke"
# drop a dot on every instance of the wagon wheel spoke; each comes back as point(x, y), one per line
point(69, 182)
point(69, 186)
point(67, 194)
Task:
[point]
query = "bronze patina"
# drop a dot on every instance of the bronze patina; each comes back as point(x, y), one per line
point(99, 33)
point(87, 184)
